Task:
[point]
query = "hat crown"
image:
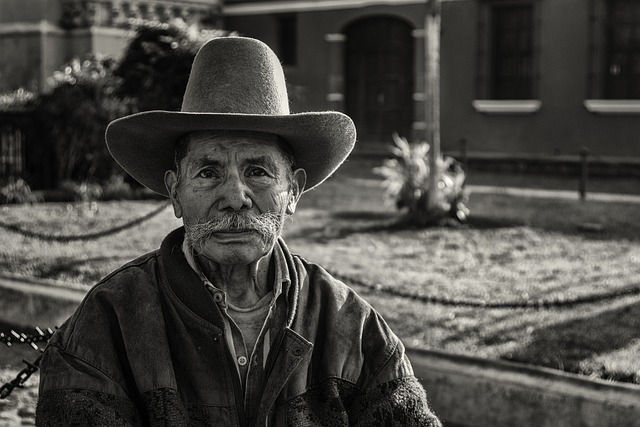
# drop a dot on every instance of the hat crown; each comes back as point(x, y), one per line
point(236, 75)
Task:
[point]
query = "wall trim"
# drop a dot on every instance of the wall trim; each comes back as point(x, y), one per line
point(111, 31)
point(419, 125)
point(270, 7)
point(42, 27)
point(613, 106)
point(45, 27)
point(335, 38)
point(508, 106)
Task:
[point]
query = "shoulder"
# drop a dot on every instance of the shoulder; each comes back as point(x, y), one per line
point(137, 276)
point(326, 291)
point(117, 296)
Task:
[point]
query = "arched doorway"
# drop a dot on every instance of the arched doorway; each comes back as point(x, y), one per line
point(379, 77)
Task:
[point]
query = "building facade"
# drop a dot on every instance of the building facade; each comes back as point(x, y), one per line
point(37, 37)
point(528, 78)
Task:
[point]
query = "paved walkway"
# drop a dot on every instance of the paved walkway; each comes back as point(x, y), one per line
point(44, 287)
point(554, 194)
point(532, 192)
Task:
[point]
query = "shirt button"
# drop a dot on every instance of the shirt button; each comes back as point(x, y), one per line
point(242, 360)
point(217, 297)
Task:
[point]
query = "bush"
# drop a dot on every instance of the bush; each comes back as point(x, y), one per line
point(156, 64)
point(81, 191)
point(116, 188)
point(16, 191)
point(75, 114)
point(17, 100)
point(407, 184)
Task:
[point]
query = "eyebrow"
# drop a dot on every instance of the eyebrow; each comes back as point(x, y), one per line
point(265, 161)
point(206, 161)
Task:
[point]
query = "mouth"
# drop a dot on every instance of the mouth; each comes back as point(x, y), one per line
point(235, 231)
point(234, 235)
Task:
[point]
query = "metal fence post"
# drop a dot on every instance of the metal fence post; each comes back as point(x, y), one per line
point(463, 154)
point(584, 172)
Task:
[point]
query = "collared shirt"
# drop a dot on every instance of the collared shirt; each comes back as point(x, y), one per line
point(250, 351)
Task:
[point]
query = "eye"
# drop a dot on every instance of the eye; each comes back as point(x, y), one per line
point(257, 172)
point(206, 173)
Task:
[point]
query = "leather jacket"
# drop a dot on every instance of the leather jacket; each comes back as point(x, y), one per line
point(146, 347)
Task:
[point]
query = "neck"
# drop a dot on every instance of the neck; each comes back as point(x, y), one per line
point(244, 285)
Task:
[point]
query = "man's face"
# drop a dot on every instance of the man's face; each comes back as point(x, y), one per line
point(233, 192)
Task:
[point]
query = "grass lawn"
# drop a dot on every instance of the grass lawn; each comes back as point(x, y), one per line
point(512, 249)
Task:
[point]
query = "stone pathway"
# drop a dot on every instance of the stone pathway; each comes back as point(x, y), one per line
point(19, 409)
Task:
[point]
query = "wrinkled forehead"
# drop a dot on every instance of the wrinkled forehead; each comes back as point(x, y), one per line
point(237, 143)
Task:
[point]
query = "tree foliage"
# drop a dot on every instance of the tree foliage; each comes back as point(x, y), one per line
point(89, 93)
point(407, 184)
point(156, 65)
point(17, 100)
point(75, 114)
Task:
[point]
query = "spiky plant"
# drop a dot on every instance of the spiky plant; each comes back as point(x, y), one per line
point(406, 182)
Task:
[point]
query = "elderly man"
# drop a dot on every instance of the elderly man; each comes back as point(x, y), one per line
point(223, 325)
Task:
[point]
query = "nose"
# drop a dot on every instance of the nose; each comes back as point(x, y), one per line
point(234, 194)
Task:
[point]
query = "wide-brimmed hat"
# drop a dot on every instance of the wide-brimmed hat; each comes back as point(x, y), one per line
point(236, 83)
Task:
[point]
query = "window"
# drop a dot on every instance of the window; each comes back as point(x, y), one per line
point(11, 151)
point(621, 73)
point(512, 52)
point(507, 51)
point(288, 39)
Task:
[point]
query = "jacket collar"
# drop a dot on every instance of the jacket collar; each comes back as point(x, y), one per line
point(187, 285)
point(281, 278)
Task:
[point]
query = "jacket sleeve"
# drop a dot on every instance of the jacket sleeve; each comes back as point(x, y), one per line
point(399, 402)
point(73, 392)
point(388, 394)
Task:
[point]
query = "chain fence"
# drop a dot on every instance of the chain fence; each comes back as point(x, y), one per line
point(538, 304)
point(12, 337)
point(87, 236)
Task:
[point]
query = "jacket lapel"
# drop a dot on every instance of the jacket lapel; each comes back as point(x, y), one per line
point(293, 350)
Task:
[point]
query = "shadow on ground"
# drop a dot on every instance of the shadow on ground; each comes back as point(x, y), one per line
point(341, 224)
point(576, 341)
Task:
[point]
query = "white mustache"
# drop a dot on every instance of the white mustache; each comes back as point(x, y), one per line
point(268, 225)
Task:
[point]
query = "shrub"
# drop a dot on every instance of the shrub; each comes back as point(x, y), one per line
point(16, 191)
point(17, 100)
point(406, 181)
point(75, 114)
point(116, 188)
point(156, 64)
point(81, 191)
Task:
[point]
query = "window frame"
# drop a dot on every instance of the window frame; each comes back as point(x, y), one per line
point(287, 24)
point(486, 101)
point(596, 101)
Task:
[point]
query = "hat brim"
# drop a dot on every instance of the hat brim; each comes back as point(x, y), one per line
point(144, 143)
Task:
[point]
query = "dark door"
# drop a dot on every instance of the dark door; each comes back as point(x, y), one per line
point(379, 77)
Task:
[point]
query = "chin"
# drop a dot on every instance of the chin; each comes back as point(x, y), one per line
point(239, 253)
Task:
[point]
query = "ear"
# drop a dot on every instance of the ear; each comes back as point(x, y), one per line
point(297, 187)
point(171, 182)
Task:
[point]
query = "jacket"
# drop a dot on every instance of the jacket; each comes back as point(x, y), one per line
point(146, 347)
